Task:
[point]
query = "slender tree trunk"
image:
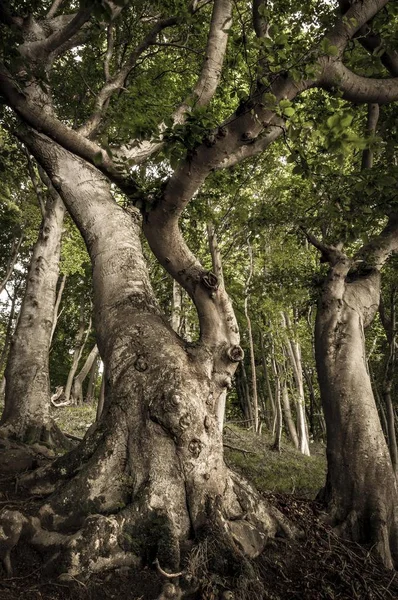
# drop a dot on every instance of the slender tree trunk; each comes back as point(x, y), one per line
point(279, 418)
point(251, 345)
point(247, 408)
point(270, 394)
point(288, 416)
point(152, 467)
point(77, 387)
point(101, 399)
point(294, 353)
point(9, 331)
point(57, 305)
point(26, 413)
point(360, 490)
point(80, 342)
point(90, 395)
point(11, 262)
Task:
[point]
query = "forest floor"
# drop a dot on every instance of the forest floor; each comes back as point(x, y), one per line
point(319, 566)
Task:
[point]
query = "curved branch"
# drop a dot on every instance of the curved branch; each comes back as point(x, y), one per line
point(60, 133)
point(354, 87)
point(207, 83)
point(216, 317)
point(377, 251)
point(359, 13)
point(221, 21)
point(38, 49)
point(54, 8)
point(256, 147)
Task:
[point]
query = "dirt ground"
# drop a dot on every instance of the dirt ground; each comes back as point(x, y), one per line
point(318, 566)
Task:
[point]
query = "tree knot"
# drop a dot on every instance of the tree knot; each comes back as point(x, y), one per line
point(210, 280)
point(235, 354)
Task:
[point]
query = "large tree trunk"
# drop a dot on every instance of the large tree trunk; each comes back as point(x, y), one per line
point(26, 413)
point(361, 490)
point(153, 464)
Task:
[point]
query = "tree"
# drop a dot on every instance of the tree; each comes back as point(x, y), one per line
point(26, 413)
point(154, 463)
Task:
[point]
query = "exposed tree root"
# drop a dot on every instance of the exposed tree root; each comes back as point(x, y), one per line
point(48, 434)
point(138, 534)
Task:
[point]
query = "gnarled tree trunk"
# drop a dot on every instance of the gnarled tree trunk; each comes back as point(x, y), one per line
point(360, 491)
point(153, 464)
point(26, 415)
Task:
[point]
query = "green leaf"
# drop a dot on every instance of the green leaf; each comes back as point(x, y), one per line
point(289, 111)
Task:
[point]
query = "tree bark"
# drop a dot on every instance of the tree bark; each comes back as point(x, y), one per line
point(294, 353)
point(251, 345)
point(153, 463)
point(9, 330)
point(360, 490)
point(278, 417)
point(80, 342)
point(26, 413)
point(92, 383)
point(288, 417)
point(270, 394)
point(57, 305)
point(77, 387)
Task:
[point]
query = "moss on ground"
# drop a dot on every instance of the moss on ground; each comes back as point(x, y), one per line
point(288, 472)
point(74, 420)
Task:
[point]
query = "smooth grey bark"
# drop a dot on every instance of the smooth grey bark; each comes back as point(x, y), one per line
point(26, 413)
point(9, 330)
point(291, 427)
point(92, 382)
point(57, 305)
point(361, 490)
point(278, 417)
point(80, 340)
point(77, 387)
point(251, 344)
point(157, 449)
point(294, 353)
point(270, 394)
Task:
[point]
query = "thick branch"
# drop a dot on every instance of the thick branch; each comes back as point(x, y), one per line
point(329, 253)
point(55, 7)
point(354, 87)
point(50, 44)
point(359, 13)
point(209, 78)
point(254, 148)
point(60, 133)
point(377, 251)
point(372, 42)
